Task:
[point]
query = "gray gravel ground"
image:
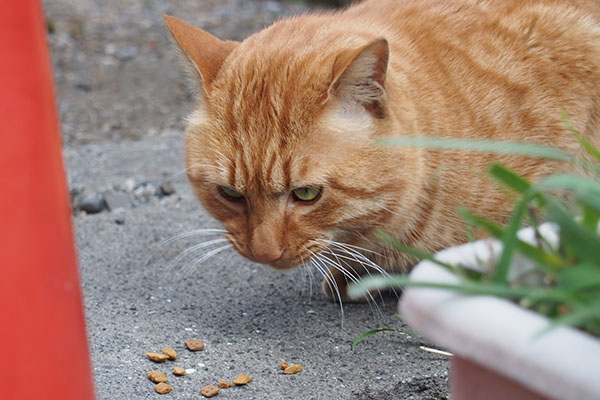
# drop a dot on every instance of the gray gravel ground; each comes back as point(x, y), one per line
point(122, 100)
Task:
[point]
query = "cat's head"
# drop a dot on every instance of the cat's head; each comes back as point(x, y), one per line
point(280, 148)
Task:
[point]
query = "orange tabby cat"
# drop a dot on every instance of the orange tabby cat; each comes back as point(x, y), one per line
point(282, 148)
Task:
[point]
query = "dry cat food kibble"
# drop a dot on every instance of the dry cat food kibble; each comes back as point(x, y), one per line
point(157, 376)
point(178, 371)
point(157, 357)
point(194, 345)
point(224, 385)
point(171, 353)
point(242, 379)
point(209, 391)
point(163, 388)
point(293, 369)
point(284, 365)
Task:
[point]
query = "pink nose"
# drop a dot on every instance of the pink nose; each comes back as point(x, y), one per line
point(267, 255)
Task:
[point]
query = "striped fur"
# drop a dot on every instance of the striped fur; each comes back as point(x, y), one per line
point(301, 102)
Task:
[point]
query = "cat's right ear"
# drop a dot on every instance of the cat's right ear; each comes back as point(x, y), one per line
point(204, 52)
point(358, 76)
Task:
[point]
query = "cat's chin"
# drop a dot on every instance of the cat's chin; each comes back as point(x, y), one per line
point(282, 264)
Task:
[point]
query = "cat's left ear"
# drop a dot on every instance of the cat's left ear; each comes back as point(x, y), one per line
point(359, 76)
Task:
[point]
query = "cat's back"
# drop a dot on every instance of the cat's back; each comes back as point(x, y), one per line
point(401, 12)
point(468, 67)
point(484, 68)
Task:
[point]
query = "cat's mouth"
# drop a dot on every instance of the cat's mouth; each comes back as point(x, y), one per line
point(286, 261)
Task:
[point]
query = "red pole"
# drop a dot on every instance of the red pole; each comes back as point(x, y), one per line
point(42, 328)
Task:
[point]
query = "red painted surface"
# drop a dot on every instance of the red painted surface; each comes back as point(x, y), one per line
point(42, 328)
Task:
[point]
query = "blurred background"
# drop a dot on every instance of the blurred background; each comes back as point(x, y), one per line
point(116, 74)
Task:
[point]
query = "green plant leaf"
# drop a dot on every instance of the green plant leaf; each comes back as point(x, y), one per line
point(480, 222)
point(489, 146)
point(575, 183)
point(541, 257)
point(590, 210)
point(590, 148)
point(578, 317)
point(509, 178)
point(577, 278)
point(412, 251)
point(372, 332)
point(585, 244)
point(509, 237)
point(475, 288)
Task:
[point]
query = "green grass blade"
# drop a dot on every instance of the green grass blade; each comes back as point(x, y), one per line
point(473, 288)
point(581, 277)
point(579, 317)
point(509, 178)
point(590, 148)
point(582, 241)
point(479, 222)
point(412, 251)
point(509, 237)
point(489, 146)
point(590, 200)
point(372, 332)
point(572, 182)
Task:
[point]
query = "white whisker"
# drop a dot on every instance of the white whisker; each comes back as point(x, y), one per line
point(187, 270)
point(196, 232)
point(307, 274)
point(351, 246)
point(352, 276)
point(357, 256)
point(329, 279)
point(194, 248)
point(208, 231)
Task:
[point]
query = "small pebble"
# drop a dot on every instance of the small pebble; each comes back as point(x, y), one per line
point(115, 200)
point(166, 188)
point(126, 54)
point(83, 86)
point(92, 204)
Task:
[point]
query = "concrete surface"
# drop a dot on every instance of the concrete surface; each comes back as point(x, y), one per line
point(249, 316)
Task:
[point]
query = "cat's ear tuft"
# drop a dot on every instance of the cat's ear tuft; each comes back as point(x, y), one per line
point(359, 76)
point(204, 52)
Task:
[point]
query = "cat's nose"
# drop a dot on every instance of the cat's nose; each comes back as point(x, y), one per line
point(267, 255)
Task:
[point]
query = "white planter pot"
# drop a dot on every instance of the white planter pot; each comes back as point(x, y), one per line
point(500, 337)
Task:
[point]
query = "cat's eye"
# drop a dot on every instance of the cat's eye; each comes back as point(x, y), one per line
point(230, 194)
point(307, 194)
